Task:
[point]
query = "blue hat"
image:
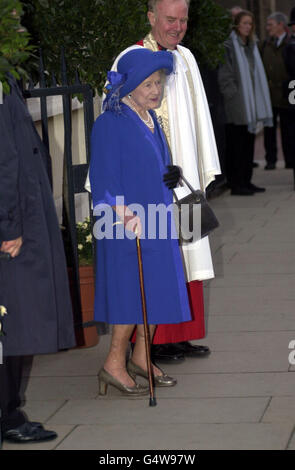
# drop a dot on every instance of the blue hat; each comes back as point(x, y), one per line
point(139, 64)
point(133, 68)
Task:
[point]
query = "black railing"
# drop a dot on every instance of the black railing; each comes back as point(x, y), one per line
point(74, 176)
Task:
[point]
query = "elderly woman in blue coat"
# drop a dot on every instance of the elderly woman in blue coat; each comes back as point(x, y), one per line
point(130, 167)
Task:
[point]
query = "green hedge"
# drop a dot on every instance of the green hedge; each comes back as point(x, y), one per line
point(14, 48)
point(209, 25)
point(93, 32)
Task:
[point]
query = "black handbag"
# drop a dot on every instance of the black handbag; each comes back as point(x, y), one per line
point(195, 218)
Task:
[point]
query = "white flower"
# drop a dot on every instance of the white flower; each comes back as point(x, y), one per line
point(3, 311)
point(89, 238)
point(80, 246)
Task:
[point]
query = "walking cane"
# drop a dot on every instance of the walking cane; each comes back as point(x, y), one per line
point(145, 326)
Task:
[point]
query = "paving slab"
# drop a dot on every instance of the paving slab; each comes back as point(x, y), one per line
point(261, 323)
point(243, 236)
point(276, 289)
point(74, 362)
point(61, 388)
point(270, 247)
point(291, 445)
point(260, 201)
point(171, 411)
point(284, 259)
point(255, 305)
point(197, 385)
point(255, 280)
point(210, 385)
point(251, 268)
point(42, 410)
point(282, 236)
point(280, 409)
point(257, 342)
point(183, 436)
point(230, 254)
point(70, 363)
point(238, 361)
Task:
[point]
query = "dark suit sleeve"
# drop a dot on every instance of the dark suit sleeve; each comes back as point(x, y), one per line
point(290, 59)
point(10, 214)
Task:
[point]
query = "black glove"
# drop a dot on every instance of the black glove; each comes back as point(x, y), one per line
point(171, 179)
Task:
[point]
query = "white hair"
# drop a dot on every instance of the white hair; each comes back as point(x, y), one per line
point(279, 17)
point(153, 3)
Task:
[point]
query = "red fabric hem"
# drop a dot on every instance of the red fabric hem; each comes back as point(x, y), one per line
point(186, 331)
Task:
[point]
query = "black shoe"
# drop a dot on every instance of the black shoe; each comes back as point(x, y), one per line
point(256, 189)
point(166, 354)
point(289, 166)
point(255, 165)
point(193, 350)
point(270, 166)
point(29, 432)
point(242, 192)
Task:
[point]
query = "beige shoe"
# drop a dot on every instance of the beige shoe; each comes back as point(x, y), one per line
point(105, 379)
point(160, 380)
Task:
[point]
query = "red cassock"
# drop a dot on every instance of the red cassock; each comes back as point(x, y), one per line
point(194, 329)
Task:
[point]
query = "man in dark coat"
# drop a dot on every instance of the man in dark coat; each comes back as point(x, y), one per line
point(33, 283)
point(290, 48)
point(290, 65)
point(272, 53)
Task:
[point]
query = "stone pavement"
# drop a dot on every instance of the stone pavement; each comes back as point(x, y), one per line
point(243, 395)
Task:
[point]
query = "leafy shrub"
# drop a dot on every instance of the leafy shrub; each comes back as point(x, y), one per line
point(93, 32)
point(14, 42)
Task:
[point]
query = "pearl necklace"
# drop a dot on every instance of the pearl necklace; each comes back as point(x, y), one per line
point(148, 122)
